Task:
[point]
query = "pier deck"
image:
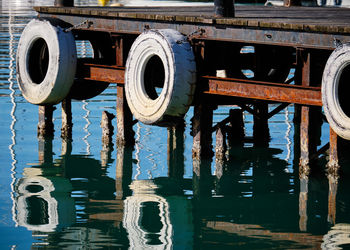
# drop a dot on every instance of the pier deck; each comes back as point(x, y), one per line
point(314, 27)
point(283, 40)
point(317, 28)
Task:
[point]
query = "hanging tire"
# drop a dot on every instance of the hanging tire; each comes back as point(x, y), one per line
point(160, 76)
point(335, 91)
point(46, 62)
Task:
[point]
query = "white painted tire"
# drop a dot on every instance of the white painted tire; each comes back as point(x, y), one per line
point(335, 100)
point(172, 50)
point(46, 62)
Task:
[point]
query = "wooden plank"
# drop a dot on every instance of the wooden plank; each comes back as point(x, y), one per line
point(310, 19)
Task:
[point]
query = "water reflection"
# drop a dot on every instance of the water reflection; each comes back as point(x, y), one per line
point(252, 203)
point(83, 197)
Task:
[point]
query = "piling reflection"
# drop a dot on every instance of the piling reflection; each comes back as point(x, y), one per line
point(248, 201)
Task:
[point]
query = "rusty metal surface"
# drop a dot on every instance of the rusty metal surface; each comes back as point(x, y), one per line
point(103, 73)
point(205, 31)
point(265, 91)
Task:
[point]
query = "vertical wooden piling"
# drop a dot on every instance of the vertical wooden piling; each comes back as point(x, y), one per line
point(332, 175)
point(235, 128)
point(220, 150)
point(64, 3)
point(304, 141)
point(303, 197)
point(333, 164)
point(125, 134)
point(107, 128)
point(176, 158)
point(45, 125)
point(202, 123)
point(310, 122)
point(123, 171)
point(332, 195)
point(67, 124)
point(261, 132)
point(224, 8)
point(45, 149)
point(202, 152)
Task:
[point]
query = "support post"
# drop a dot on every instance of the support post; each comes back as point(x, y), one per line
point(64, 3)
point(332, 175)
point(261, 132)
point(45, 125)
point(45, 150)
point(235, 128)
point(310, 123)
point(303, 197)
point(125, 134)
point(224, 8)
point(304, 141)
point(333, 164)
point(67, 124)
point(220, 150)
point(202, 122)
point(332, 195)
point(107, 128)
point(123, 172)
point(220, 147)
point(176, 167)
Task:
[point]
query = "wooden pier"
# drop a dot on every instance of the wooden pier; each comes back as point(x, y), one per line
point(281, 40)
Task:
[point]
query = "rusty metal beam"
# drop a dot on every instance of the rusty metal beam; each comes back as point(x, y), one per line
point(219, 86)
point(103, 73)
point(264, 91)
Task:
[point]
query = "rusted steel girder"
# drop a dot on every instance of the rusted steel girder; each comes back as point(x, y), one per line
point(103, 73)
point(220, 86)
point(264, 91)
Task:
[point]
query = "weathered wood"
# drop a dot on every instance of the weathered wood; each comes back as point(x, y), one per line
point(67, 124)
point(45, 124)
point(304, 169)
point(123, 171)
point(45, 150)
point(332, 195)
point(107, 128)
point(333, 175)
point(303, 197)
point(333, 164)
point(176, 148)
point(125, 135)
point(309, 19)
point(220, 147)
point(202, 131)
point(235, 128)
point(261, 132)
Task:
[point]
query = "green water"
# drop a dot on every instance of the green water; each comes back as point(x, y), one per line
point(81, 195)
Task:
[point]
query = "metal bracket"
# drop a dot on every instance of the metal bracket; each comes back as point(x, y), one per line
point(86, 22)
